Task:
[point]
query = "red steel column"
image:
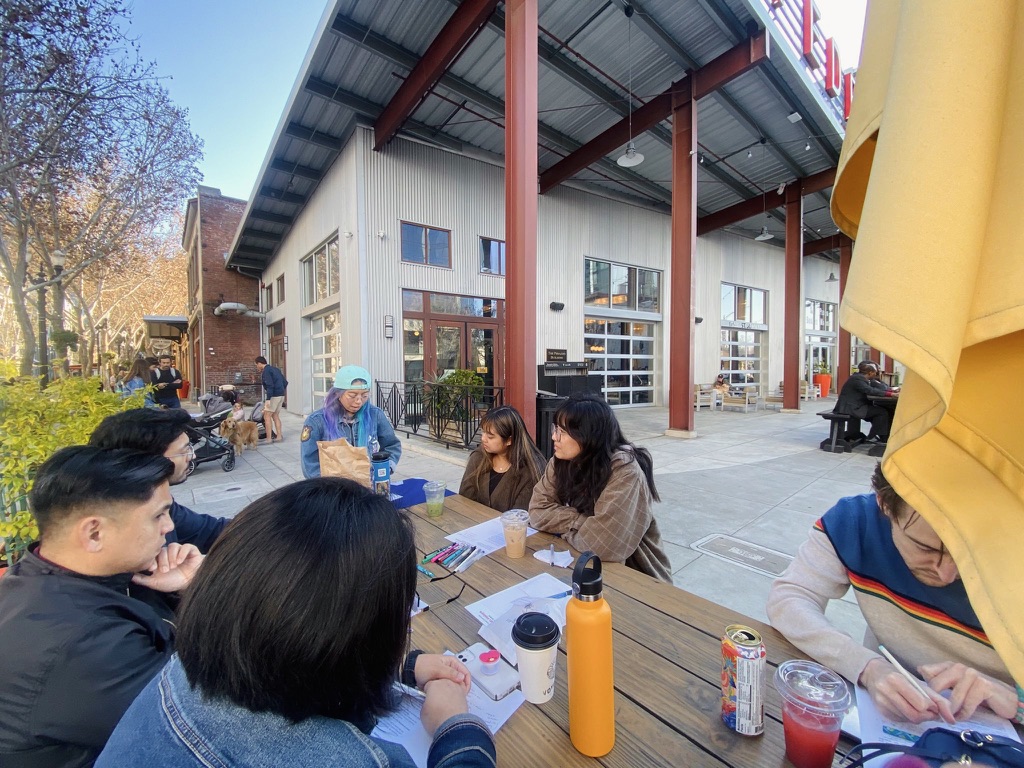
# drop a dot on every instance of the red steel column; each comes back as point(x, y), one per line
point(843, 364)
point(521, 209)
point(793, 298)
point(684, 249)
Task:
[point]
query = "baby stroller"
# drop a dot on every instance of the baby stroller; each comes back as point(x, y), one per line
point(257, 416)
point(207, 445)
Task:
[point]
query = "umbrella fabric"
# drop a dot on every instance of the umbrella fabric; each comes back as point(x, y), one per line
point(931, 185)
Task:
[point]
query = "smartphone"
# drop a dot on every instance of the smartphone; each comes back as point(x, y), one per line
point(497, 685)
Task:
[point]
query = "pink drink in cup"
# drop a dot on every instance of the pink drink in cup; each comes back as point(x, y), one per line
point(814, 701)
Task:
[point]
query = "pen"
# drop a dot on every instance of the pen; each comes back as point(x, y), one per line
point(443, 553)
point(552, 551)
point(462, 558)
point(451, 558)
point(899, 668)
point(437, 551)
point(899, 734)
point(424, 571)
point(469, 561)
point(560, 595)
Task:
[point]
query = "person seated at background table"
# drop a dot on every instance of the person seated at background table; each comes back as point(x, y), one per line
point(82, 627)
point(501, 473)
point(853, 400)
point(910, 593)
point(289, 646)
point(721, 386)
point(596, 492)
point(161, 432)
point(348, 413)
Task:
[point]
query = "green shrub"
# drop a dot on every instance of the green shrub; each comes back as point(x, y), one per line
point(34, 423)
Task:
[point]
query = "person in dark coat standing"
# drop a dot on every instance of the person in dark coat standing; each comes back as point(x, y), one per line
point(274, 385)
point(166, 383)
point(853, 400)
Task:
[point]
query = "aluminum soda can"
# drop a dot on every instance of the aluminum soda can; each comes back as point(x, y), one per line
point(743, 669)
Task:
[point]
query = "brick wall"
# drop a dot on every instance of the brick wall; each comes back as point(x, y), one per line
point(229, 341)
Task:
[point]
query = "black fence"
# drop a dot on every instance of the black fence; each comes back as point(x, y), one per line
point(446, 413)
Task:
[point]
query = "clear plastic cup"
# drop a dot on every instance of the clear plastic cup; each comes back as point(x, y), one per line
point(434, 491)
point(514, 523)
point(814, 701)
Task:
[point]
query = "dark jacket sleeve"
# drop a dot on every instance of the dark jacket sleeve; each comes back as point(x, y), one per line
point(195, 528)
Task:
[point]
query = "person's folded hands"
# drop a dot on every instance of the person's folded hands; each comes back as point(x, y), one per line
point(433, 666)
point(969, 689)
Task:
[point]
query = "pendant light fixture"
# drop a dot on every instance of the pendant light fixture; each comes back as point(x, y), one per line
point(832, 278)
point(630, 157)
point(764, 234)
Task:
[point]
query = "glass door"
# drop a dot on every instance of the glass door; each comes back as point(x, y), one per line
point(448, 350)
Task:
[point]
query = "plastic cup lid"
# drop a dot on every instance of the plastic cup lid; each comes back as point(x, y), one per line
point(515, 515)
point(816, 688)
point(535, 631)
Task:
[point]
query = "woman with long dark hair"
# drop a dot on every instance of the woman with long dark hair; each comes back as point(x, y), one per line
point(501, 473)
point(597, 490)
point(348, 413)
point(290, 643)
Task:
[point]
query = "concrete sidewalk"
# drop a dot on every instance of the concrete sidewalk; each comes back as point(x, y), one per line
point(736, 501)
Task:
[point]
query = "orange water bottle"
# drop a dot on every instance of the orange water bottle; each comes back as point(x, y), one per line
point(588, 648)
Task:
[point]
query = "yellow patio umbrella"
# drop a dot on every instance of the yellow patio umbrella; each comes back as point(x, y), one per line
point(931, 186)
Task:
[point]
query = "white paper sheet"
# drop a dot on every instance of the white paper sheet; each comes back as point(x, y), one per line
point(874, 726)
point(403, 726)
point(497, 613)
point(487, 537)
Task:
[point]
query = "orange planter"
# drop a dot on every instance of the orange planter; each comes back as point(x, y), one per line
point(824, 382)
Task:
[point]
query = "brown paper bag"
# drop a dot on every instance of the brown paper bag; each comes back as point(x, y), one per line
point(340, 459)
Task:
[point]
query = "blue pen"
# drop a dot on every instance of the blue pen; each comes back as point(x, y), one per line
point(451, 558)
point(424, 571)
point(560, 595)
point(899, 734)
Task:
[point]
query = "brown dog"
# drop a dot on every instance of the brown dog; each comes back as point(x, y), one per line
point(240, 433)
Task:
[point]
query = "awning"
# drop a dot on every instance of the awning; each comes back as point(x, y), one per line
point(928, 185)
point(172, 327)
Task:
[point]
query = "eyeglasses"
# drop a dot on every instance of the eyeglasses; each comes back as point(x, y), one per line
point(556, 432)
point(462, 589)
point(189, 451)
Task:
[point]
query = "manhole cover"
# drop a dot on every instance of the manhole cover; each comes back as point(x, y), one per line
point(753, 557)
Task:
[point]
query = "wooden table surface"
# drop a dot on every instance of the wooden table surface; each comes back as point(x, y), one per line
point(667, 661)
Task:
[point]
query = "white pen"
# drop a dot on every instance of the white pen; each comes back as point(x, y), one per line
point(469, 561)
point(552, 550)
point(899, 668)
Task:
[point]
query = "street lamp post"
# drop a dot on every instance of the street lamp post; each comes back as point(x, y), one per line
point(44, 362)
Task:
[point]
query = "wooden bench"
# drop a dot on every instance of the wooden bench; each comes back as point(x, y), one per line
point(836, 441)
point(746, 400)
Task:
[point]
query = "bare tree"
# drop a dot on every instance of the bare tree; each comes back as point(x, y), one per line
point(92, 151)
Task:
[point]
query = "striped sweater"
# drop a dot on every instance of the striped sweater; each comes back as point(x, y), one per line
point(852, 546)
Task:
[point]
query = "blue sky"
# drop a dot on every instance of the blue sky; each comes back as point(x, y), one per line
point(232, 64)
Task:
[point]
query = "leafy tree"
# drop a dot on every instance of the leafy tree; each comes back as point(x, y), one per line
point(93, 154)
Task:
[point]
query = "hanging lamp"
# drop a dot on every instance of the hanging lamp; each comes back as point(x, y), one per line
point(764, 234)
point(630, 157)
point(831, 278)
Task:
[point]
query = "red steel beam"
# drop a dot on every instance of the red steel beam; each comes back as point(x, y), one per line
point(812, 247)
point(713, 75)
point(764, 202)
point(793, 300)
point(684, 250)
point(463, 25)
point(521, 210)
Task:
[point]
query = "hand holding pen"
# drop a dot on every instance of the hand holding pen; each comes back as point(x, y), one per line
point(897, 691)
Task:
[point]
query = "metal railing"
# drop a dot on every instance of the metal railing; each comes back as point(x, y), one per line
point(446, 413)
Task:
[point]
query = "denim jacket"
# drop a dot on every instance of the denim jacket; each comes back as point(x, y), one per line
point(170, 723)
point(315, 429)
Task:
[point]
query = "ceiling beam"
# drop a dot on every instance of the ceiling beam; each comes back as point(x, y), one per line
point(252, 250)
point(259, 234)
point(812, 247)
point(711, 76)
point(310, 136)
point(295, 169)
point(238, 261)
point(461, 27)
point(285, 197)
point(273, 218)
point(762, 203)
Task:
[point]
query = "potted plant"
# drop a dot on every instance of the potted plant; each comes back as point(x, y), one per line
point(35, 422)
point(449, 402)
point(822, 377)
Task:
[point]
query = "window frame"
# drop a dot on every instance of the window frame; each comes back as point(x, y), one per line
point(425, 244)
point(485, 254)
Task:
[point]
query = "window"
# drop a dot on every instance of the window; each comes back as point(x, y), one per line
point(280, 289)
point(819, 316)
point(741, 356)
point(326, 358)
point(622, 352)
point(618, 286)
point(743, 305)
point(320, 277)
point(423, 245)
point(492, 256)
point(268, 297)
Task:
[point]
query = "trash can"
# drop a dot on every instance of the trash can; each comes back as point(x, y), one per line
point(547, 404)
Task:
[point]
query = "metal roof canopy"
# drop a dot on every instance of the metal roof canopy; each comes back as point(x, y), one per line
point(434, 70)
point(172, 327)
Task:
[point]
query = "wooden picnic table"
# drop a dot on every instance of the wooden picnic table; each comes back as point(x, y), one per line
point(667, 661)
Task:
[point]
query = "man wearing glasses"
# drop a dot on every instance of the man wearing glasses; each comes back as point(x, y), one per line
point(162, 433)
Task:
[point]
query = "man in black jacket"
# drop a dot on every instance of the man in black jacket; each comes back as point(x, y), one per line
point(166, 382)
point(86, 615)
point(853, 400)
point(162, 433)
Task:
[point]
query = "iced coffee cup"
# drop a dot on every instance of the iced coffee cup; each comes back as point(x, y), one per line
point(814, 701)
point(514, 523)
point(536, 639)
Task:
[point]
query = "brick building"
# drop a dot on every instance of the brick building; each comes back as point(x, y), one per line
point(224, 322)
